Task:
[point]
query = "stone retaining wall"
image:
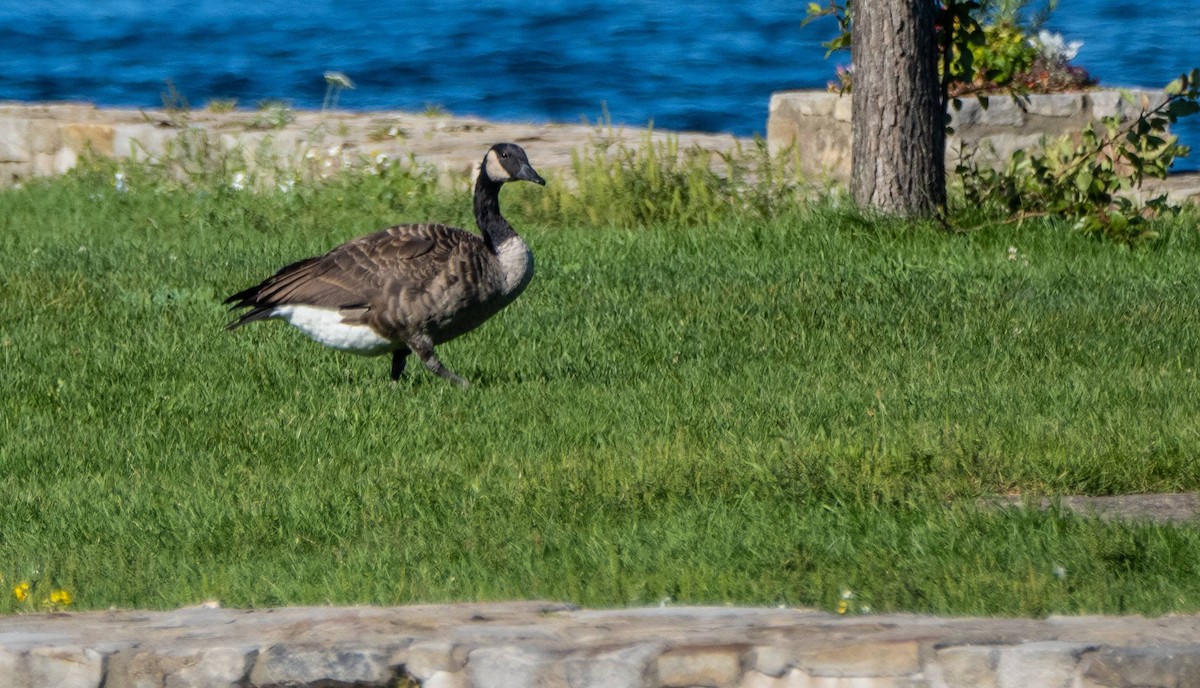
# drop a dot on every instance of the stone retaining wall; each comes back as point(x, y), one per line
point(48, 139)
point(548, 645)
point(817, 123)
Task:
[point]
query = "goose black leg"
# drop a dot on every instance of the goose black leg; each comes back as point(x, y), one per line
point(424, 348)
point(399, 358)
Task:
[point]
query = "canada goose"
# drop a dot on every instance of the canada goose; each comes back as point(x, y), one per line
point(409, 287)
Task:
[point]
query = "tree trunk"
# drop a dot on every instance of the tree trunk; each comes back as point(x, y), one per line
point(897, 154)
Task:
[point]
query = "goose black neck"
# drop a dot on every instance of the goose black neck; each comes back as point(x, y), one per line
point(487, 212)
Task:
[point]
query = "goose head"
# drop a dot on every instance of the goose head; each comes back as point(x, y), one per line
point(506, 162)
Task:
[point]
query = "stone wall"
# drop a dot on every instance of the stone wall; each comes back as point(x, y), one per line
point(817, 123)
point(48, 139)
point(549, 645)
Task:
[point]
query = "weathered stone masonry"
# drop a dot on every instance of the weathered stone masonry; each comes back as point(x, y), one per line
point(548, 645)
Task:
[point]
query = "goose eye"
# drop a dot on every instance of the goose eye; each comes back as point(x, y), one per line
point(504, 155)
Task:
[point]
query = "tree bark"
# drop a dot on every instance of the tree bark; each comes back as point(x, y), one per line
point(898, 150)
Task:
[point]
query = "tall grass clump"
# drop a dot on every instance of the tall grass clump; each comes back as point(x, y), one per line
point(659, 182)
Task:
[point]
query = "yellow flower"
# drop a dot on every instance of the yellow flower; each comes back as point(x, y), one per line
point(60, 597)
point(21, 591)
point(843, 606)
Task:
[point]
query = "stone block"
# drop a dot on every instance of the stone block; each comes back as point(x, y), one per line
point(64, 667)
point(287, 665)
point(444, 679)
point(44, 136)
point(514, 667)
point(1165, 666)
point(424, 659)
point(773, 660)
point(1049, 664)
point(1054, 104)
point(1002, 111)
point(65, 159)
point(800, 679)
point(14, 140)
point(902, 658)
point(967, 666)
point(803, 103)
point(626, 667)
point(12, 667)
point(14, 172)
point(141, 141)
point(1000, 147)
point(714, 666)
point(199, 667)
point(1115, 104)
point(842, 109)
point(966, 115)
point(81, 137)
point(1105, 104)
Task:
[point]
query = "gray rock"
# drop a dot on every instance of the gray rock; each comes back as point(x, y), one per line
point(966, 114)
point(804, 103)
point(290, 665)
point(424, 659)
point(843, 109)
point(626, 667)
point(515, 667)
point(773, 660)
point(863, 658)
point(968, 666)
point(64, 667)
point(176, 667)
point(444, 679)
point(712, 666)
point(1144, 667)
point(1002, 111)
point(1054, 104)
point(1048, 664)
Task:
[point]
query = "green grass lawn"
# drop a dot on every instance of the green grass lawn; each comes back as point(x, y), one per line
point(753, 411)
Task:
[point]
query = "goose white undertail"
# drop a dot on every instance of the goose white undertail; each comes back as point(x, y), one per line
point(325, 326)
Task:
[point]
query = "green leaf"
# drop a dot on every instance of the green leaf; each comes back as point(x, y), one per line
point(1083, 181)
point(1176, 86)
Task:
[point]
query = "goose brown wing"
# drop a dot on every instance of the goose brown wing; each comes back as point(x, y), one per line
point(360, 273)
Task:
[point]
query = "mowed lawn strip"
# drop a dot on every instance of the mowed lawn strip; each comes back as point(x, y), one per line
point(799, 409)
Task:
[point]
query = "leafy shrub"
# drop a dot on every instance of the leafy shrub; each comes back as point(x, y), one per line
point(1089, 180)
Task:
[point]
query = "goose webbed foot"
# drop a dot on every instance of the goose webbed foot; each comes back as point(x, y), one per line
point(424, 350)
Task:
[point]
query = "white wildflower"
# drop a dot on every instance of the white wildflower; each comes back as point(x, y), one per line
point(1060, 572)
point(239, 181)
point(1054, 48)
point(287, 186)
point(120, 183)
point(1012, 252)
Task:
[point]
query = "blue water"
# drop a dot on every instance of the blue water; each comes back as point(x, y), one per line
point(709, 65)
